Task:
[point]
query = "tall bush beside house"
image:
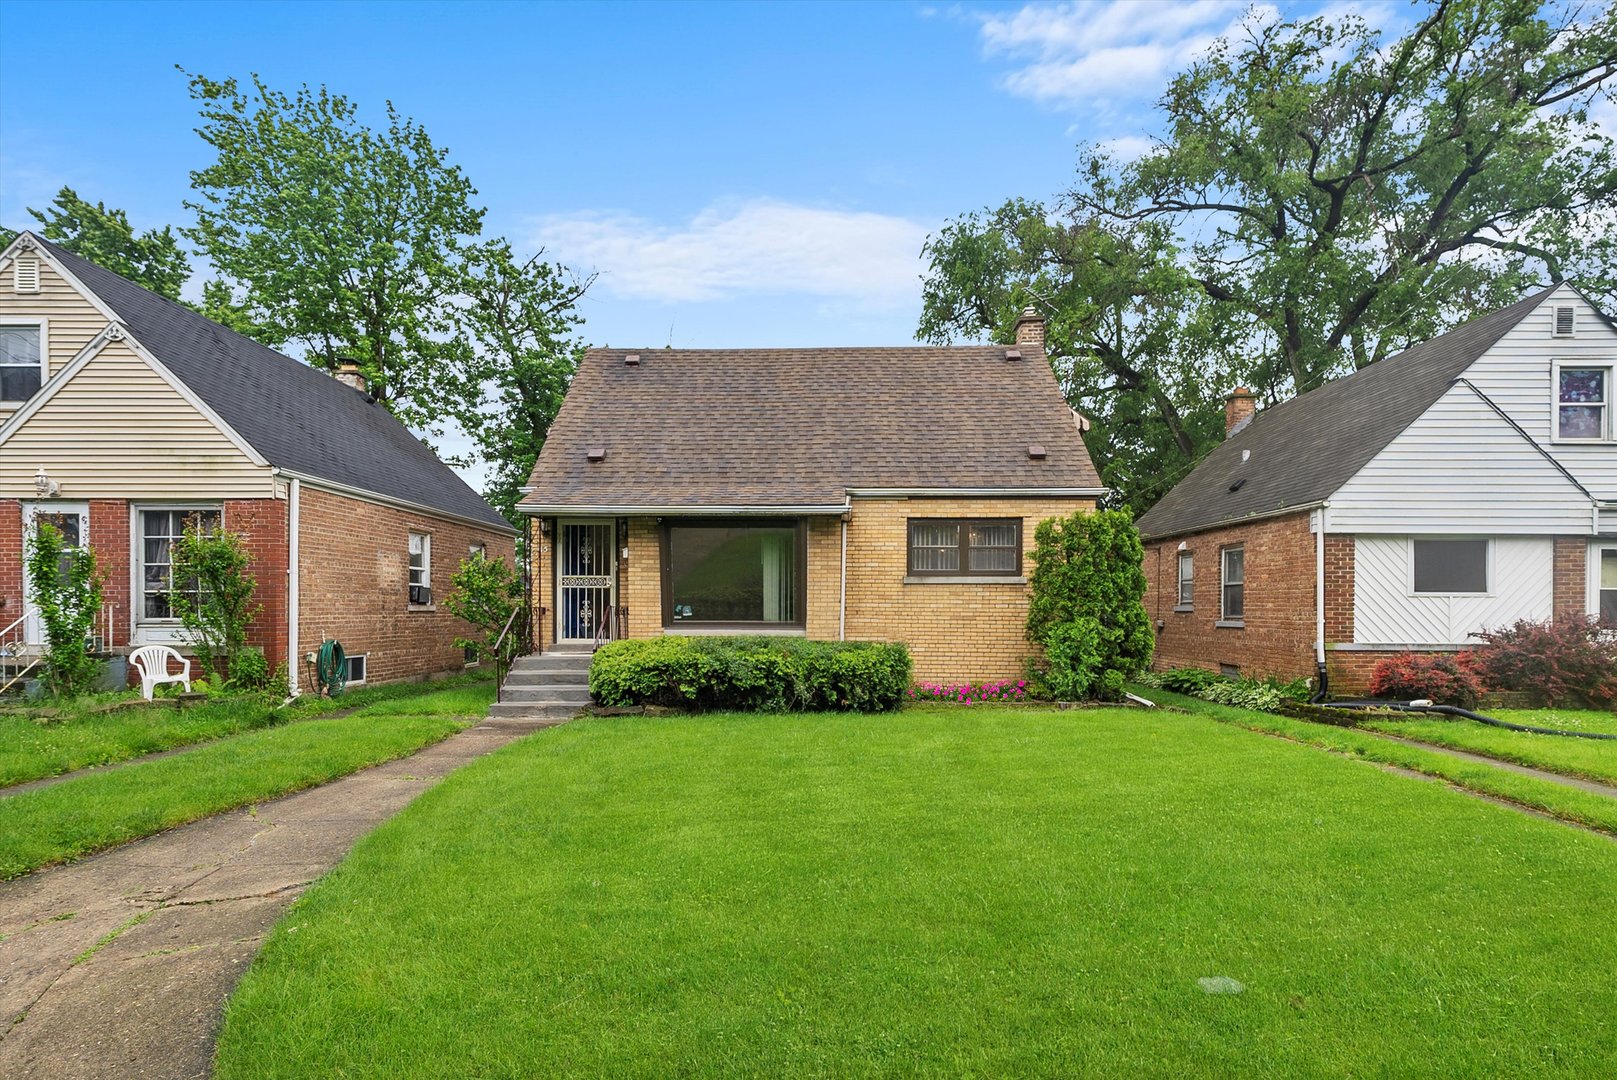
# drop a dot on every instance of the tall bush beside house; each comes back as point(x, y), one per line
point(485, 592)
point(66, 587)
point(211, 593)
point(1569, 661)
point(1087, 611)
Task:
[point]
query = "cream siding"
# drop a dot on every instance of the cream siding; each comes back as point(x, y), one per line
point(1461, 464)
point(117, 429)
point(71, 319)
point(1386, 611)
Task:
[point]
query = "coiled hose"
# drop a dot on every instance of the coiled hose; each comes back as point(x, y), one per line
point(331, 668)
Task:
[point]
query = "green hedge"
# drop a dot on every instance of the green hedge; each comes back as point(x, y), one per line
point(752, 674)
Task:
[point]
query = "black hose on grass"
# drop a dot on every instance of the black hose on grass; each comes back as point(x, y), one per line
point(1451, 710)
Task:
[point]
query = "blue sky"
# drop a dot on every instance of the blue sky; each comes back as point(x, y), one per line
point(738, 174)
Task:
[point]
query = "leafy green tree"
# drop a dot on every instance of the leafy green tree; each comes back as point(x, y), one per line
point(345, 240)
point(105, 237)
point(1320, 199)
point(1087, 609)
point(520, 318)
point(485, 592)
point(66, 585)
point(212, 593)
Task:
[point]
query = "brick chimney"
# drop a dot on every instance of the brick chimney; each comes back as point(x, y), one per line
point(348, 374)
point(1030, 330)
point(1239, 409)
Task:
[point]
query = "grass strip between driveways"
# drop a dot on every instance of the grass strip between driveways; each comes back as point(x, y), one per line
point(1567, 803)
point(89, 813)
point(52, 740)
point(1593, 759)
point(979, 892)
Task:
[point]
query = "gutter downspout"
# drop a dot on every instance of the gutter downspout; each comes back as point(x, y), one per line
point(842, 605)
point(293, 491)
point(1319, 603)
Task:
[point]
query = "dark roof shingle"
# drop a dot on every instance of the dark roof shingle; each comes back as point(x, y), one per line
point(798, 427)
point(296, 417)
point(1298, 453)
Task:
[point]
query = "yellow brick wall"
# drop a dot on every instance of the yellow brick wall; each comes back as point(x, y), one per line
point(640, 578)
point(973, 631)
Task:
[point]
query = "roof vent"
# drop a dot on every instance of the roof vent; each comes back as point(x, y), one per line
point(632, 360)
point(1035, 451)
point(1565, 321)
point(1013, 354)
point(596, 453)
point(1238, 484)
point(25, 273)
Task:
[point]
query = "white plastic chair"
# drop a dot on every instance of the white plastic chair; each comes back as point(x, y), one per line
point(152, 663)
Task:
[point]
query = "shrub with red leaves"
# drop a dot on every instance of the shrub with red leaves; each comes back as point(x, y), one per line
point(1443, 678)
point(1570, 661)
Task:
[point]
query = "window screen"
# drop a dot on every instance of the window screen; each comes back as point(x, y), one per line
point(1187, 575)
point(1451, 566)
point(1234, 585)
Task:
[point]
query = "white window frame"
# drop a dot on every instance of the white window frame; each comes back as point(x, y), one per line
point(1488, 569)
point(1597, 548)
point(1183, 602)
point(151, 630)
point(426, 571)
point(1608, 406)
point(1224, 617)
point(43, 325)
point(364, 668)
point(476, 551)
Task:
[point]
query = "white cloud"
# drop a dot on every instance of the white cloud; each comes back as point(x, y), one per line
point(761, 246)
point(1073, 54)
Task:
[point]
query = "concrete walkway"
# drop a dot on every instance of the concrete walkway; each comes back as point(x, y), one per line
point(118, 965)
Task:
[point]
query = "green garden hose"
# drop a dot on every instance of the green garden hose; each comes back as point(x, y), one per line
point(331, 668)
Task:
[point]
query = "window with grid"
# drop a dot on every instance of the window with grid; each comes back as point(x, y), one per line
point(1187, 578)
point(160, 530)
point(21, 369)
point(420, 568)
point(1233, 583)
point(1583, 403)
point(956, 546)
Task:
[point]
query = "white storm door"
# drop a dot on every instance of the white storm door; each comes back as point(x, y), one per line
point(586, 580)
point(72, 520)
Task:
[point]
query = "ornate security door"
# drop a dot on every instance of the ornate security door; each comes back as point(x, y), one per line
point(586, 580)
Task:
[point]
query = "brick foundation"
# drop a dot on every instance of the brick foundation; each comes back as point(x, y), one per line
point(1571, 580)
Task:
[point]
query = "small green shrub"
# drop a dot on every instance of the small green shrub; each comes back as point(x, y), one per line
point(1188, 680)
point(1243, 694)
point(250, 669)
point(211, 593)
point(752, 674)
point(485, 592)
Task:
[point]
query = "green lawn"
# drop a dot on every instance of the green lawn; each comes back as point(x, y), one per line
point(88, 813)
point(34, 745)
point(972, 892)
point(1592, 758)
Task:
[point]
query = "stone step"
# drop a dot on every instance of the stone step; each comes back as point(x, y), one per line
point(548, 664)
point(527, 710)
point(568, 677)
point(572, 695)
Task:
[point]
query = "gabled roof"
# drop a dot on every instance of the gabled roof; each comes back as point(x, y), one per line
point(797, 429)
point(1297, 454)
point(296, 417)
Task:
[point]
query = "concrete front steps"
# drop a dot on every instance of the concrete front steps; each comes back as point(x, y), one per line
point(550, 685)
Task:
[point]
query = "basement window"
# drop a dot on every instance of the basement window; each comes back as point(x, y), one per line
point(1449, 567)
point(356, 669)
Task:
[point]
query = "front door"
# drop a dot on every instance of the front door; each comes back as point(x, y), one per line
point(586, 580)
point(72, 520)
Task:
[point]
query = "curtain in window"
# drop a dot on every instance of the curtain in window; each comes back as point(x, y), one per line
point(776, 552)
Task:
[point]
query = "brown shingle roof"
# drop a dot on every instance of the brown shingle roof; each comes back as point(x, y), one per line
point(707, 428)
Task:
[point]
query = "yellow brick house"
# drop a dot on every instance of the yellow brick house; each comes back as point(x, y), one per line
point(885, 494)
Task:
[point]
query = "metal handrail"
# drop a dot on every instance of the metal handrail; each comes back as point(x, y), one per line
point(499, 651)
point(605, 625)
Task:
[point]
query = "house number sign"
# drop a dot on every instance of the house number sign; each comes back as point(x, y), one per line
point(586, 581)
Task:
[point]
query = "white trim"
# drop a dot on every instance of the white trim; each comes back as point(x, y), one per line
point(293, 506)
point(57, 381)
point(364, 663)
point(1180, 581)
point(1487, 565)
point(1596, 547)
point(613, 510)
point(1224, 617)
point(335, 488)
point(842, 609)
point(1318, 521)
point(977, 492)
point(965, 579)
point(426, 571)
point(43, 325)
point(1608, 406)
point(28, 241)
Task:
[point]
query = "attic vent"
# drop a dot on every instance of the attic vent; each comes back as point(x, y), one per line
point(1564, 321)
point(632, 360)
point(25, 273)
point(596, 453)
point(1013, 354)
point(1036, 452)
point(1238, 484)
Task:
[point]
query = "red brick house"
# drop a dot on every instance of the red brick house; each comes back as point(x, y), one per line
point(1463, 484)
point(123, 414)
point(871, 494)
